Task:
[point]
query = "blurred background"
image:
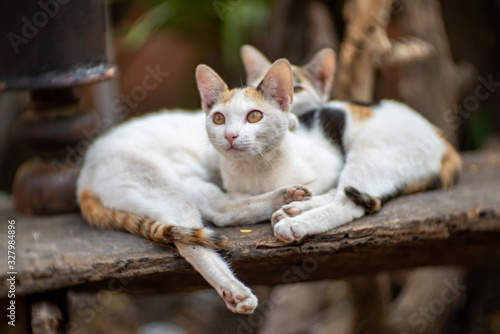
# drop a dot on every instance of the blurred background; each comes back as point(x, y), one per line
point(172, 36)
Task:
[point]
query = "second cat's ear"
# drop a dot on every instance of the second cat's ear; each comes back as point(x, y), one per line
point(322, 69)
point(210, 86)
point(255, 64)
point(278, 84)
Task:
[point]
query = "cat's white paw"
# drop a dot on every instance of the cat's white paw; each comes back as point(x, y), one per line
point(297, 193)
point(290, 230)
point(290, 210)
point(240, 300)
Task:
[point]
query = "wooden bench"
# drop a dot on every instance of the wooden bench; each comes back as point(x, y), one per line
point(457, 226)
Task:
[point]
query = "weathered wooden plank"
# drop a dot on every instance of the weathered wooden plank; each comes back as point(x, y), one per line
point(457, 226)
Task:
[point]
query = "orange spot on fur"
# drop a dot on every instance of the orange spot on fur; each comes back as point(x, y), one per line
point(418, 186)
point(451, 164)
point(360, 113)
point(198, 235)
point(227, 96)
point(254, 94)
point(150, 228)
point(93, 211)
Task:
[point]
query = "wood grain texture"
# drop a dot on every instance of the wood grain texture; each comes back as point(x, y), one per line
point(457, 226)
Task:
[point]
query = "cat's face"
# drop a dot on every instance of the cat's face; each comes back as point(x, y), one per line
point(251, 122)
point(312, 82)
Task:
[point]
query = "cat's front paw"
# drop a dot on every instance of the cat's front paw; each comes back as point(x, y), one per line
point(297, 193)
point(290, 210)
point(289, 230)
point(241, 301)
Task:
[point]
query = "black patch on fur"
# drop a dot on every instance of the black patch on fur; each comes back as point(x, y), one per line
point(387, 197)
point(364, 103)
point(367, 202)
point(217, 241)
point(307, 118)
point(259, 88)
point(434, 183)
point(332, 120)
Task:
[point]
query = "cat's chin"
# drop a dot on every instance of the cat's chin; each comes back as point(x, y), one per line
point(235, 153)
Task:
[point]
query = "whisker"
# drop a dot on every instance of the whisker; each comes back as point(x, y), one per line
point(264, 154)
point(270, 146)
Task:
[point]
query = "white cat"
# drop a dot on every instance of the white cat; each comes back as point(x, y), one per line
point(389, 150)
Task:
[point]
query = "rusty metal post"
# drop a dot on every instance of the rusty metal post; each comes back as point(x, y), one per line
point(52, 46)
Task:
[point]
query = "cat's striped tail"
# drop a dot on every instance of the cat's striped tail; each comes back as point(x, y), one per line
point(98, 215)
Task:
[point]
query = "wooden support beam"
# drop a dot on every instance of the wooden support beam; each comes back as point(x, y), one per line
point(457, 226)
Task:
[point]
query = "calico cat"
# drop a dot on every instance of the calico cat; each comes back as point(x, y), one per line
point(153, 176)
point(389, 150)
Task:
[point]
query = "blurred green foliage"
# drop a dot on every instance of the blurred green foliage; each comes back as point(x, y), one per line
point(230, 23)
point(477, 130)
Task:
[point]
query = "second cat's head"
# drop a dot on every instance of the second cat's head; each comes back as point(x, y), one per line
point(312, 81)
point(245, 123)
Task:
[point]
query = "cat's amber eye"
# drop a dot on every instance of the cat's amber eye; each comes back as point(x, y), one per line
point(254, 116)
point(219, 119)
point(297, 89)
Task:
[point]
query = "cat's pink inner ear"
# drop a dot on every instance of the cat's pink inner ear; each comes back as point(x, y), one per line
point(322, 69)
point(278, 84)
point(255, 64)
point(210, 86)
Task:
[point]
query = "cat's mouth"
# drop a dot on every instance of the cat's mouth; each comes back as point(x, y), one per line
point(238, 152)
point(235, 148)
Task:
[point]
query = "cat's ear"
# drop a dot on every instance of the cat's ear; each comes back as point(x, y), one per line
point(278, 84)
point(322, 69)
point(255, 63)
point(210, 86)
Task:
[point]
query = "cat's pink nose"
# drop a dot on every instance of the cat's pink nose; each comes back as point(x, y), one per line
point(231, 137)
